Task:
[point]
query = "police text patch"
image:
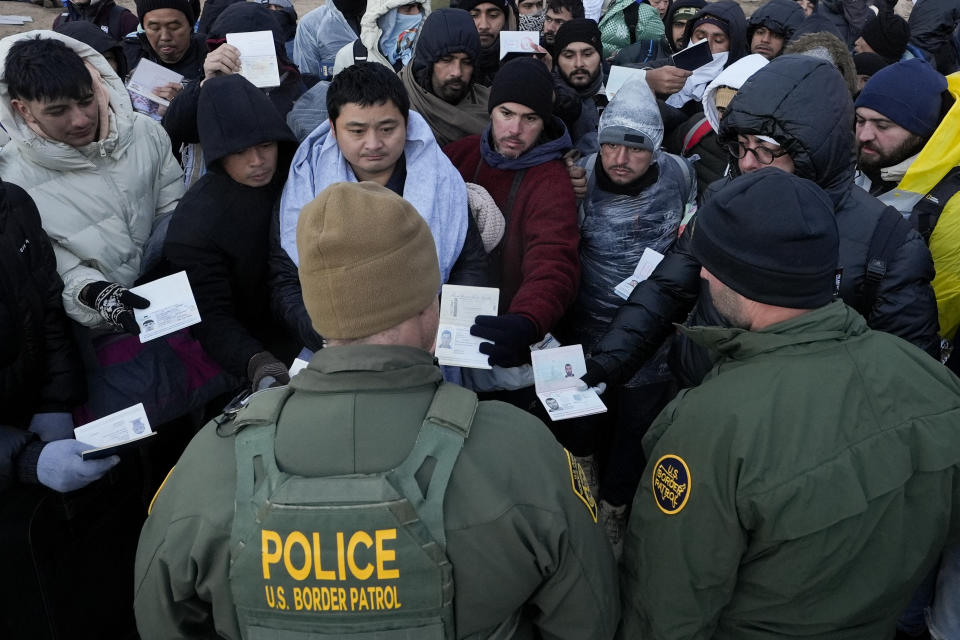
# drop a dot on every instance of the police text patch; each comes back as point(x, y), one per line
point(578, 480)
point(671, 484)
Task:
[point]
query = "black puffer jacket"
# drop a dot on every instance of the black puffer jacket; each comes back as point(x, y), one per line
point(932, 23)
point(180, 120)
point(219, 232)
point(801, 102)
point(40, 368)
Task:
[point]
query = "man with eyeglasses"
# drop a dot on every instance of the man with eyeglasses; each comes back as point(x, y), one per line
point(795, 115)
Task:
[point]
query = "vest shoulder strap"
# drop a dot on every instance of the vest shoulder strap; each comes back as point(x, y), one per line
point(926, 212)
point(631, 16)
point(439, 443)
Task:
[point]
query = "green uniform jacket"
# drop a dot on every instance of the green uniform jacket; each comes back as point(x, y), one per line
point(803, 490)
point(517, 533)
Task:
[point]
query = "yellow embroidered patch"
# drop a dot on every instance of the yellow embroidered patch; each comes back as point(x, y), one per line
point(671, 484)
point(578, 481)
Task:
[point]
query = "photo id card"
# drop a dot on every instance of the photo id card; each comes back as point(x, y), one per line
point(459, 306)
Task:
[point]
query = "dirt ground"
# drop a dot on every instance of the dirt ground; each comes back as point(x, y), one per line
point(43, 18)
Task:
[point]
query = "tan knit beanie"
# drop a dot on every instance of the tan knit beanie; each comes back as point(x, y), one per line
point(367, 260)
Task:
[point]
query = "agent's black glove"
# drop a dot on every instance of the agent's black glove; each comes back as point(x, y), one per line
point(594, 375)
point(114, 303)
point(264, 371)
point(510, 338)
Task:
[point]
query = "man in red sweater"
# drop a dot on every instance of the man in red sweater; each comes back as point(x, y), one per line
point(518, 159)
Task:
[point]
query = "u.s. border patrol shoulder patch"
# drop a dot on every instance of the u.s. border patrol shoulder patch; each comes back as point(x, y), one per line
point(671, 484)
point(578, 481)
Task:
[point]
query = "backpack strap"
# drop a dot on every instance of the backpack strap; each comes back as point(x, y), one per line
point(886, 239)
point(926, 212)
point(360, 52)
point(696, 133)
point(445, 427)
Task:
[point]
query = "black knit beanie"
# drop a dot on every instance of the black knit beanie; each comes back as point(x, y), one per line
point(468, 5)
point(772, 237)
point(146, 6)
point(888, 35)
point(578, 30)
point(525, 81)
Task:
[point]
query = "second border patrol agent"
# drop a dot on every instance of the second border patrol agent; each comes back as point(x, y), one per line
point(809, 484)
point(371, 497)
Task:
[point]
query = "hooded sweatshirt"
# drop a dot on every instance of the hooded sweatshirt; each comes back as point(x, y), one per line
point(730, 12)
point(780, 16)
point(441, 200)
point(220, 232)
point(89, 33)
point(180, 120)
point(444, 32)
point(380, 15)
point(105, 14)
point(672, 12)
point(99, 203)
point(320, 35)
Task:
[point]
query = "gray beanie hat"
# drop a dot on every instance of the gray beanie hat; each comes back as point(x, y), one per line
point(632, 118)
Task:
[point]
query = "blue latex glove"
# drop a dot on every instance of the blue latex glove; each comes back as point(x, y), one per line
point(52, 426)
point(61, 468)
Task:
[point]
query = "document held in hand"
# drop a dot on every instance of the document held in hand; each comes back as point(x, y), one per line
point(556, 378)
point(648, 262)
point(459, 306)
point(258, 57)
point(172, 306)
point(114, 432)
point(150, 75)
point(518, 42)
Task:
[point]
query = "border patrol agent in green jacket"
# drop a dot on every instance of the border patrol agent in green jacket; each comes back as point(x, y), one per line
point(369, 498)
point(809, 484)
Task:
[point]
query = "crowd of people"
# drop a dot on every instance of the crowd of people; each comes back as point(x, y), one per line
point(780, 454)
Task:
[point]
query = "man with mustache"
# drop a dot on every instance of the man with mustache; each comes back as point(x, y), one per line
point(518, 159)
point(771, 27)
point(579, 66)
point(636, 197)
point(439, 79)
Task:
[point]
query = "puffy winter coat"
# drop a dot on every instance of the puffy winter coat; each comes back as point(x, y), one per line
point(780, 16)
point(99, 203)
point(116, 21)
point(801, 102)
point(40, 368)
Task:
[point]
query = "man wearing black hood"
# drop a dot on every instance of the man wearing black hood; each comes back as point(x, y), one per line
point(116, 21)
point(89, 33)
point(579, 66)
point(675, 22)
point(180, 120)
point(491, 17)
point(439, 79)
point(795, 114)
point(323, 32)
point(219, 232)
point(772, 26)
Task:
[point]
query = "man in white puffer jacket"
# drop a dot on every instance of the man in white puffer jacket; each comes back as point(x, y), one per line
point(102, 176)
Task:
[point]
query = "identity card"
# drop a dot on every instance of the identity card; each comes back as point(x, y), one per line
point(114, 432)
point(648, 262)
point(459, 306)
point(172, 306)
point(556, 378)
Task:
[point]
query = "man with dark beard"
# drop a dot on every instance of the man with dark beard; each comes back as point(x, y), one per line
point(579, 65)
point(893, 125)
point(439, 79)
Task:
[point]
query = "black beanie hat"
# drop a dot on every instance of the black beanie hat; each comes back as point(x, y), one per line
point(183, 6)
point(525, 81)
point(868, 64)
point(772, 237)
point(888, 35)
point(578, 30)
point(468, 5)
